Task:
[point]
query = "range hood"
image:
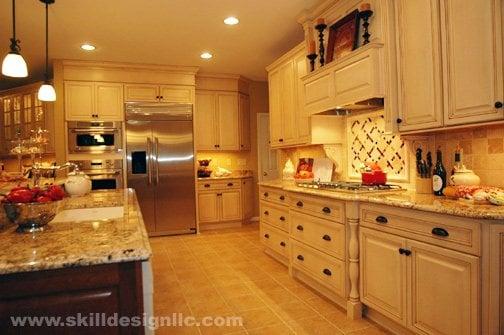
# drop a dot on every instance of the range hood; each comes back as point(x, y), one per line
point(367, 105)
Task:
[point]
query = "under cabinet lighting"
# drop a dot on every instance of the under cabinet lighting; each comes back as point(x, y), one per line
point(231, 21)
point(88, 47)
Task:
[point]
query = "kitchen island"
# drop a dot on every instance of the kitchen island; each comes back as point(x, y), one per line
point(82, 265)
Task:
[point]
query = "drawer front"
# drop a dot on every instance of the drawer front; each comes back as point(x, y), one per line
point(204, 185)
point(274, 195)
point(321, 207)
point(275, 239)
point(327, 270)
point(324, 235)
point(275, 215)
point(442, 230)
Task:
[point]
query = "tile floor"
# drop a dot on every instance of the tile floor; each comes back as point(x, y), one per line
point(226, 273)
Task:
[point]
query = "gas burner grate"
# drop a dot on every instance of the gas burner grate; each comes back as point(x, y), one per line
point(344, 186)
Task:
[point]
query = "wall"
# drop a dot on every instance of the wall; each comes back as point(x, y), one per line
point(244, 160)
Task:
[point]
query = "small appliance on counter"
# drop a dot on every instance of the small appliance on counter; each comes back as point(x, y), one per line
point(372, 174)
point(203, 169)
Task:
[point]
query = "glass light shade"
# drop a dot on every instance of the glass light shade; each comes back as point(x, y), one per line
point(46, 93)
point(14, 65)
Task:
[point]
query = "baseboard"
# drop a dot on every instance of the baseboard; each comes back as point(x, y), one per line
point(219, 225)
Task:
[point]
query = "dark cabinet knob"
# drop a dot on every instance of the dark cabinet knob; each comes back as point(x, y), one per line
point(282, 198)
point(299, 204)
point(266, 194)
point(300, 228)
point(207, 185)
point(401, 251)
point(282, 218)
point(381, 219)
point(219, 194)
point(399, 120)
point(498, 104)
point(266, 235)
point(266, 213)
point(282, 244)
point(161, 97)
point(404, 251)
point(280, 140)
point(327, 272)
point(326, 210)
point(300, 257)
point(326, 238)
point(230, 184)
point(215, 145)
point(440, 232)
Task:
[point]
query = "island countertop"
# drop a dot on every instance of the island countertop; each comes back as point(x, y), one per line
point(79, 243)
point(404, 199)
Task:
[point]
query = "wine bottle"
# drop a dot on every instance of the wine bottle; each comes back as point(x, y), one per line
point(439, 175)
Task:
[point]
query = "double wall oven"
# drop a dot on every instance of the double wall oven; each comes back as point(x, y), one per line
point(105, 174)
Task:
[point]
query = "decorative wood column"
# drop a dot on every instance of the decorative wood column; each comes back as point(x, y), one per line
point(354, 305)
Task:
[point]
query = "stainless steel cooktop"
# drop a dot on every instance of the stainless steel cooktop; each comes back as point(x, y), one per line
point(350, 187)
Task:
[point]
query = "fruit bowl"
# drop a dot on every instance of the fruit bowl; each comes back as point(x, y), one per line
point(32, 216)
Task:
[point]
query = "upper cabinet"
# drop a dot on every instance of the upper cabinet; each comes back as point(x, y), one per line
point(449, 56)
point(159, 93)
point(244, 116)
point(86, 101)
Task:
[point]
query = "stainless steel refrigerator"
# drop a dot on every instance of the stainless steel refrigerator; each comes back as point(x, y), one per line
point(160, 163)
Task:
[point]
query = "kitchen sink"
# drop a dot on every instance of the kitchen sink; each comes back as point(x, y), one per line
point(89, 214)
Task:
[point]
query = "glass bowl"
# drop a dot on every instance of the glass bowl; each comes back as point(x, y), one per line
point(33, 216)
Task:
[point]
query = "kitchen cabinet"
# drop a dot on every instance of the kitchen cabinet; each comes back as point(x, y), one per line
point(231, 205)
point(85, 101)
point(208, 207)
point(221, 121)
point(248, 198)
point(159, 93)
point(493, 294)
point(461, 71)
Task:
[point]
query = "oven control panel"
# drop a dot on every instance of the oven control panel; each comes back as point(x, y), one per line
point(98, 164)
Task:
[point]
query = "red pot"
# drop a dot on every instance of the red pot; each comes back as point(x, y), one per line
point(374, 178)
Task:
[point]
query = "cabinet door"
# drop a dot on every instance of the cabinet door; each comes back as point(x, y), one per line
point(383, 273)
point(275, 108)
point(473, 60)
point(227, 121)
point(176, 93)
point(289, 104)
point(205, 125)
point(231, 205)
point(248, 198)
point(443, 290)
point(141, 92)
point(303, 118)
point(493, 299)
point(79, 100)
point(244, 115)
point(109, 101)
point(208, 207)
point(419, 64)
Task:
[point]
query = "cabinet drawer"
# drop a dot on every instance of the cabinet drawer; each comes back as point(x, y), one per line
point(446, 231)
point(319, 233)
point(274, 195)
point(275, 215)
point(204, 185)
point(327, 270)
point(321, 207)
point(275, 239)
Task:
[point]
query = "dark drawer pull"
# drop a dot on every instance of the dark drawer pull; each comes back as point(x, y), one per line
point(282, 218)
point(404, 251)
point(327, 272)
point(381, 219)
point(266, 235)
point(326, 210)
point(326, 238)
point(230, 184)
point(266, 213)
point(300, 228)
point(207, 185)
point(282, 197)
point(280, 140)
point(282, 244)
point(265, 194)
point(440, 232)
point(299, 204)
point(300, 257)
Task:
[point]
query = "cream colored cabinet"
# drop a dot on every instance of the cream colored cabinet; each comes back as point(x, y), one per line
point(248, 198)
point(458, 79)
point(231, 205)
point(208, 207)
point(493, 292)
point(86, 101)
point(217, 121)
point(244, 116)
point(159, 93)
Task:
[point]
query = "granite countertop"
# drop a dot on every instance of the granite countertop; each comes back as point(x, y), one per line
point(71, 244)
point(404, 199)
point(225, 178)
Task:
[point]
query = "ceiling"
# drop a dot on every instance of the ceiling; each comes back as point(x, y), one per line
point(171, 32)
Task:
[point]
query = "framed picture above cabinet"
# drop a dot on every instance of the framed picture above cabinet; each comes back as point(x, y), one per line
point(343, 36)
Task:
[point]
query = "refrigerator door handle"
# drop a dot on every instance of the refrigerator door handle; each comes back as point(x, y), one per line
point(149, 161)
point(156, 149)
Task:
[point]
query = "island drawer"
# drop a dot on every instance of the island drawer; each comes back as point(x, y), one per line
point(325, 208)
point(327, 270)
point(276, 195)
point(275, 239)
point(322, 234)
point(275, 215)
point(204, 185)
point(452, 232)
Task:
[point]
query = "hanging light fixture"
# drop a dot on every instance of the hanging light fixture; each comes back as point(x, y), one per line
point(46, 91)
point(14, 64)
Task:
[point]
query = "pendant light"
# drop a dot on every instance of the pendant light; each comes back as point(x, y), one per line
point(14, 64)
point(46, 91)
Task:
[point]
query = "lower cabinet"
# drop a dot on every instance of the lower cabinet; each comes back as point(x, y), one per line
point(428, 289)
point(230, 205)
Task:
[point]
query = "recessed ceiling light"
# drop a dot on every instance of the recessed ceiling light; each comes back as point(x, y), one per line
point(231, 21)
point(88, 47)
point(206, 55)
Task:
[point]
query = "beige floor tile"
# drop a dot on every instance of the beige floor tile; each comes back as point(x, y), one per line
point(257, 318)
point(316, 325)
point(323, 305)
point(278, 296)
point(373, 330)
point(177, 331)
point(245, 302)
point(340, 320)
point(293, 311)
point(233, 290)
point(280, 329)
